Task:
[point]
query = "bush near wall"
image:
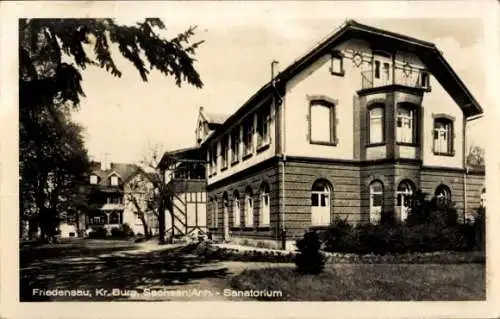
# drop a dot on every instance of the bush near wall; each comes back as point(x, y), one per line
point(430, 227)
point(123, 231)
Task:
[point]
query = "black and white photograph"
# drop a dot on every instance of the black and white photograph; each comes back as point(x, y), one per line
point(262, 151)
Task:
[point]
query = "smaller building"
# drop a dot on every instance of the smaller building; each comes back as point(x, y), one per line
point(186, 212)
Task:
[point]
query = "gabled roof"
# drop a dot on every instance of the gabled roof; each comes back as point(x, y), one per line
point(124, 170)
point(190, 154)
point(212, 117)
point(426, 51)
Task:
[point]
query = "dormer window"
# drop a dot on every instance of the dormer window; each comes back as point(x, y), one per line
point(114, 180)
point(93, 179)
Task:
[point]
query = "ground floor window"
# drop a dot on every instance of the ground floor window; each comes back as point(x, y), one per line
point(321, 203)
point(265, 211)
point(376, 201)
point(443, 195)
point(236, 210)
point(248, 208)
point(404, 194)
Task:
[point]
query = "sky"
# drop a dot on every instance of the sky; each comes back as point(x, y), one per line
point(124, 115)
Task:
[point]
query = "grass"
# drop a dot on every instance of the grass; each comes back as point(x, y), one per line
point(371, 282)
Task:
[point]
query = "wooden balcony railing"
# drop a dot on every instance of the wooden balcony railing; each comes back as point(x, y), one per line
point(413, 79)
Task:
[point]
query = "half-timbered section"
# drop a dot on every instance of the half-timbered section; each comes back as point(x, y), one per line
point(184, 172)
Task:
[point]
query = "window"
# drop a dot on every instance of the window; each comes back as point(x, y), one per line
point(443, 136)
point(320, 203)
point(404, 195)
point(265, 211)
point(224, 152)
point(387, 69)
point(443, 196)
point(235, 145)
point(215, 213)
point(236, 210)
point(424, 80)
point(248, 136)
point(114, 218)
point(248, 208)
point(263, 120)
point(322, 122)
point(376, 132)
point(213, 159)
point(482, 199)
point(337, 64)
point(406, 125)
point(376, 201)
point(114, 180)
point(93, 179)
point(377, 69)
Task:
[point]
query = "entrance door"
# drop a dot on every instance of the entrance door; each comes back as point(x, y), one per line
point(404, 195)
point(382, 70)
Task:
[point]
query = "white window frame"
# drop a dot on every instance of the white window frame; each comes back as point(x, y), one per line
point(323, 217)
point(114, 180)
point(405, 132)
point(236, 212)
point(375, 214)
point(235, 145)
point(94, 179)
point(373, 118)
point(443, 136)
point(248, 210)
point(263, 125)
point(265, 209)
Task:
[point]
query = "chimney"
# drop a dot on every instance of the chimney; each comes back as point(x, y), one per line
point(104, 162)
point(202, 108)
point(274, 69)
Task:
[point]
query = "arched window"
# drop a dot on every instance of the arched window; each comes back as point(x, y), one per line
point(236, 210)
point(215, 212)
point(265, 210)
point(322, 122)
point(404, 195)
point(114, 218)
point(443, 136)
point(248, 207)
point(443, 195)
point(406, 124)
point(321, 203)
point(376, 132)
point(376, 201)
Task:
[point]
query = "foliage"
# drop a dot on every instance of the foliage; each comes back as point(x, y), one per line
point(475, 157)
point(310, 260)
point(98, 233)
point(434, 228)
point(53, 159)
point(123, 231)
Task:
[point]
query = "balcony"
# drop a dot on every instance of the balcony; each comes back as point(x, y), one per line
point(403, 77)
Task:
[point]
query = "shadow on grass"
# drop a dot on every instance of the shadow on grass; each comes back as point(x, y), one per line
point(102, 268)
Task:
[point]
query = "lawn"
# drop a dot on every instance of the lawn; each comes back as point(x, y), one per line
point(371, 282)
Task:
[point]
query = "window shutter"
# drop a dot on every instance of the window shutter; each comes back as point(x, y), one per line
point(308, 121)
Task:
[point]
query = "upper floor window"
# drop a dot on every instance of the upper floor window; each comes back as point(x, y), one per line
point(443, 136)
point(406, 125)
point(376, 132)
point(235, 145)
point(263, 120)
point(424, 80)
point(248, 136)
point(212, 160)
point(377, 69)
point(337, 64)
point(114, 180)
point(93, 179)
point(322, 122)
point(224, 152)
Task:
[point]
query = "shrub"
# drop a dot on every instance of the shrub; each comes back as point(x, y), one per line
point(122, 231)
point(310, 260)
point(98, 233)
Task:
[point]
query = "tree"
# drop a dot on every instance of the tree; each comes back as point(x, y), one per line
point(53, 163)
point(157, 195)
point(140, 193)
point(49, 88)
point(475, 157)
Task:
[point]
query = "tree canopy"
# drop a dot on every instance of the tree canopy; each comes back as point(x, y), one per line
point(52, 55)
